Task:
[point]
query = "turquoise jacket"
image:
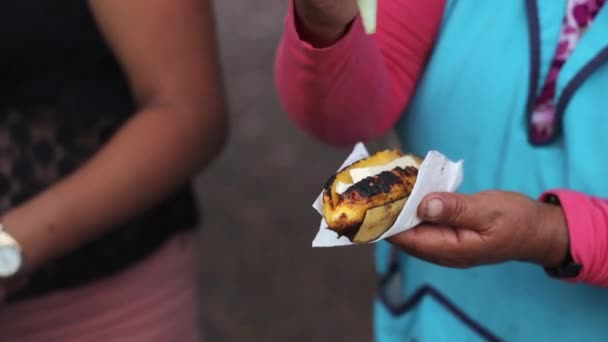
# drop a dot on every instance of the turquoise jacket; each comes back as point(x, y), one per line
point(472, 103)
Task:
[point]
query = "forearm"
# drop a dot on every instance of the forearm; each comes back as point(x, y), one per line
point(154, 153)
point(356, 88)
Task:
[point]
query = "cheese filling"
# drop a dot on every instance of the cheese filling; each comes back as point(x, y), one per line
point(359, 174)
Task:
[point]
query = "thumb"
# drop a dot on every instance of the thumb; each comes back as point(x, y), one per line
point(451, 209)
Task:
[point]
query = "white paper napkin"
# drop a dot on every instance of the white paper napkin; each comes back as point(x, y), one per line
point(436, 174)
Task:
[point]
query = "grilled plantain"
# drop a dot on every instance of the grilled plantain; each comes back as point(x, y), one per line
point(363, 200)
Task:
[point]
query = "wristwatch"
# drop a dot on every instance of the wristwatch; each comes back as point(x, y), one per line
point(568, 268)
point(11, 257)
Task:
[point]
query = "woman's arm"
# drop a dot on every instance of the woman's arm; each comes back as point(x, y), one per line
point(168, 51)
point(356, 88)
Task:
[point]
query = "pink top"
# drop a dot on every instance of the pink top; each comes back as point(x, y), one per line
point(321, 89)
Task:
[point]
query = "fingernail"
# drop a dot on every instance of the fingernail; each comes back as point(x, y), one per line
point(434, 207)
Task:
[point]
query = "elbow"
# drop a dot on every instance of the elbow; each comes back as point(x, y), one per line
point(201, 134)
point(343, 122)
point(341, 131)
point(193, 123)
point(332, 132)
point(307, 115)
point(212, 135)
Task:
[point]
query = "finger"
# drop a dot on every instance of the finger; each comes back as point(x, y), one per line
point(451, 209)
point(442, 245)
point(428, 238)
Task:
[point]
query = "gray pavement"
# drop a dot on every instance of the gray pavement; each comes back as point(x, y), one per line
point(261, 280)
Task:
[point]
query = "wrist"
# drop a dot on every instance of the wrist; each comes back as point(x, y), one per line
point(318, 31)
point(12, 259)
point(11, 223)
point(552, 239)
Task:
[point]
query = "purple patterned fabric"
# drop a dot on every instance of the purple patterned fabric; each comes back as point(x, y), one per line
point(579, 15)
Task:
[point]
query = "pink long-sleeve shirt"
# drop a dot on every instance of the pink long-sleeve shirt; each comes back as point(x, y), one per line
point(330, 92)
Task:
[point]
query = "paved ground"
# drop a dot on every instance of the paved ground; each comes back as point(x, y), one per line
point(262, 280)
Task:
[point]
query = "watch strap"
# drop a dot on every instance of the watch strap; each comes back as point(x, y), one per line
point(568, 268)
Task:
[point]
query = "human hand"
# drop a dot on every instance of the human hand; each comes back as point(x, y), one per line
point(322, 22)
point(486, 228)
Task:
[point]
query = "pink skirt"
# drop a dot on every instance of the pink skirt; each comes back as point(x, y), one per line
point(153, 301)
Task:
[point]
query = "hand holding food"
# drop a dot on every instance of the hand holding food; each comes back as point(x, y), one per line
point(486, 228)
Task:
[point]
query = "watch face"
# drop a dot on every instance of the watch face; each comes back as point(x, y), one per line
point(10, 260)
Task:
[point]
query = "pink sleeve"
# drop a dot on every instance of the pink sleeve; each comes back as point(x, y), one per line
point(587, 219)
point(357, 88)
